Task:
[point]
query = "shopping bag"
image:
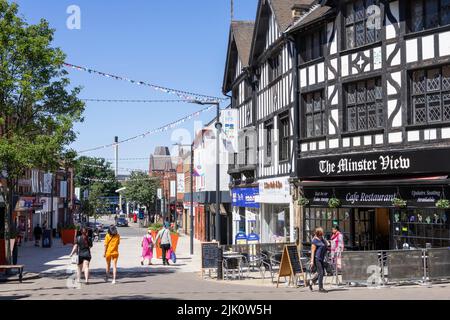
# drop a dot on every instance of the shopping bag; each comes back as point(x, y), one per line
point(74, 259)
point(173, 257)
point(168, 252)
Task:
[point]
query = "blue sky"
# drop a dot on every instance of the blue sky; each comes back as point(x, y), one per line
point(174, 43)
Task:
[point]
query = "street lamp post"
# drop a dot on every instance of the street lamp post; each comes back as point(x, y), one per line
point(218, 126)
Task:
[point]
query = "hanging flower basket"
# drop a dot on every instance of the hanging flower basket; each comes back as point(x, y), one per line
point(443, 204)
point(399, 203)
point(334, 203)
point(302, 201)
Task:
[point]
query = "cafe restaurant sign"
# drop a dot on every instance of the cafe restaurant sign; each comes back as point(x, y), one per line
point(367, 164)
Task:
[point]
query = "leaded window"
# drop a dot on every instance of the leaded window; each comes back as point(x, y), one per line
point(364, 105)
point(362, 23)
point(275, 67)
point(284, 138)
point(314, 114)
point(430, 95)
point(312, 45)
point(427, 14)
point(268, 129)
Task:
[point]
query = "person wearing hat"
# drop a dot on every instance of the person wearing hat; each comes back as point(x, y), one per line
point(147, 248)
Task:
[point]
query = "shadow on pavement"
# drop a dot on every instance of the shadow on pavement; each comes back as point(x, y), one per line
point(16, 297)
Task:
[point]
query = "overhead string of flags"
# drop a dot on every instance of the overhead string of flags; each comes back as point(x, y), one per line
point(133, 100)
point(120, 168)
point(185, 95)
point(112, 180)
point(154, 131)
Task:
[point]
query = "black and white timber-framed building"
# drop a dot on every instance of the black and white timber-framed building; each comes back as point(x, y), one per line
point(373, 118)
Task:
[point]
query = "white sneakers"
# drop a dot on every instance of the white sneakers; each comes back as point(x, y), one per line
point(113, 282)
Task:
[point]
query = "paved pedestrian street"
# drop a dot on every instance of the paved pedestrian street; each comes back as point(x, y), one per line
point(177, 281)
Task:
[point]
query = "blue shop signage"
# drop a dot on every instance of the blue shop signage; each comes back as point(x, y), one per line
point(245, 197)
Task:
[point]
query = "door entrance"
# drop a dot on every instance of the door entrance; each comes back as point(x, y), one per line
point(382, 229)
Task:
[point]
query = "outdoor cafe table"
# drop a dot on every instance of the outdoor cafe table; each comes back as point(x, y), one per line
point(230, 256)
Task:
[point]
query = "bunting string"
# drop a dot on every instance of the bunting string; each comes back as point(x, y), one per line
point(154, 131)
point(133, 100)
point(185, 95)
point(112, 180)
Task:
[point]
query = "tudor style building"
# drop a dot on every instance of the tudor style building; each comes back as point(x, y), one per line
point(260, 73)
point(373, 115)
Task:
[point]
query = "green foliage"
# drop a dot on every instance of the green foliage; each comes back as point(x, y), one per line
point(334, 203)
point(69, 227)
point(37, 108)
point(443, 204)
point(155, 226)
point(302, 201)
point(95, 168)
point(141, 189)
point(399, 203)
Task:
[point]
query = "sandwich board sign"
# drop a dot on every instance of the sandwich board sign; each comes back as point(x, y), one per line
point(291, 265)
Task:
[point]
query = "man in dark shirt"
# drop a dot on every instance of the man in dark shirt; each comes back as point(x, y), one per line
point(37, 235)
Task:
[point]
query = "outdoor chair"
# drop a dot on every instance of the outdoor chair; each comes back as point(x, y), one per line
point(231, 265)
point(271, 262)
point(250, 262)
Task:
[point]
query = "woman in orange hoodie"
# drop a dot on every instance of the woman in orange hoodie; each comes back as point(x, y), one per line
point(112, 241)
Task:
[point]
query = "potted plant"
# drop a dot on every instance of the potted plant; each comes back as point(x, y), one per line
point(334, 203)
point(68, 233)
point(399, 202)
point(13, 234)
point(443, 204)
point(302, 201)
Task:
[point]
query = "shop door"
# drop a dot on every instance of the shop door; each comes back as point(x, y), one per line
point(382, 228)
point(364, 229)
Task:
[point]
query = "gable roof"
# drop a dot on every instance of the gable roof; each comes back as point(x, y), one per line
point(161, 160)
point(282, 11)
point(239, 44)
point(316, 13)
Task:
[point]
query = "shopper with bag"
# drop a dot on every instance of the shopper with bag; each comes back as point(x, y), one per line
point(147, 248)
point(112, 241)
point(319, 249)
point(337, 246)
point(166, 242)
point(82, 248)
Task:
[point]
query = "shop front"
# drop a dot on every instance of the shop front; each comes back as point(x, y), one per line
point(379, 200)
point(23, 217)
point(276, 210)
point(245, 211)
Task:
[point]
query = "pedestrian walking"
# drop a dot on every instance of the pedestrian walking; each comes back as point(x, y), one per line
point(147, 248)
point(83, 247)
point(319, 249)
point(337, 246)
point(37, 232)
point(112, 241)
point(166, 242)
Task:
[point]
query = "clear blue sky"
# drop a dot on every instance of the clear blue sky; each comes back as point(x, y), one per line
point(174, 43)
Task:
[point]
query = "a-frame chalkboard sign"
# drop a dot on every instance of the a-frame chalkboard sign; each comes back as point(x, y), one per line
point(291, 265)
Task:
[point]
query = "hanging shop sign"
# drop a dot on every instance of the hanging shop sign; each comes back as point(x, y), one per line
point(274, 191)
point(368, 164)
point(241, 238)
point(245, 197)
point(180, 183)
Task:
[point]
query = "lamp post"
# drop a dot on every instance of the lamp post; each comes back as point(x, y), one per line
point(218, 126)
point(192, 194)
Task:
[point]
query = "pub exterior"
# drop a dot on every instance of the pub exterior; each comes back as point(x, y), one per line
point(372, 122)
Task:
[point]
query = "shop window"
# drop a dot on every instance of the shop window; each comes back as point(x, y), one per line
point(364, 105)
point(326, 218)
point(415, 228)
point(314, 114)
point(276, 223)
point(428, 14)
point(361, 22)
point(430, 95)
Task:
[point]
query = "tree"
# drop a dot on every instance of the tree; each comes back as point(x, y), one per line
point(37, 110)
point(141, 189)
point(89, 169)
point(95, 205)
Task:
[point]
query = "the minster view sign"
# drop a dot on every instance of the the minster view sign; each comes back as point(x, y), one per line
point(386, 163)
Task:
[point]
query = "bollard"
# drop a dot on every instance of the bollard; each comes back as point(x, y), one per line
point(219, 263)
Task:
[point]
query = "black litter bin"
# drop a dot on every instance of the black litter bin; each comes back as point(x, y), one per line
point(15, 253)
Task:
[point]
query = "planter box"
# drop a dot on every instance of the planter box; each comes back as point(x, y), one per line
point(68, 236)
point(174, 238)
